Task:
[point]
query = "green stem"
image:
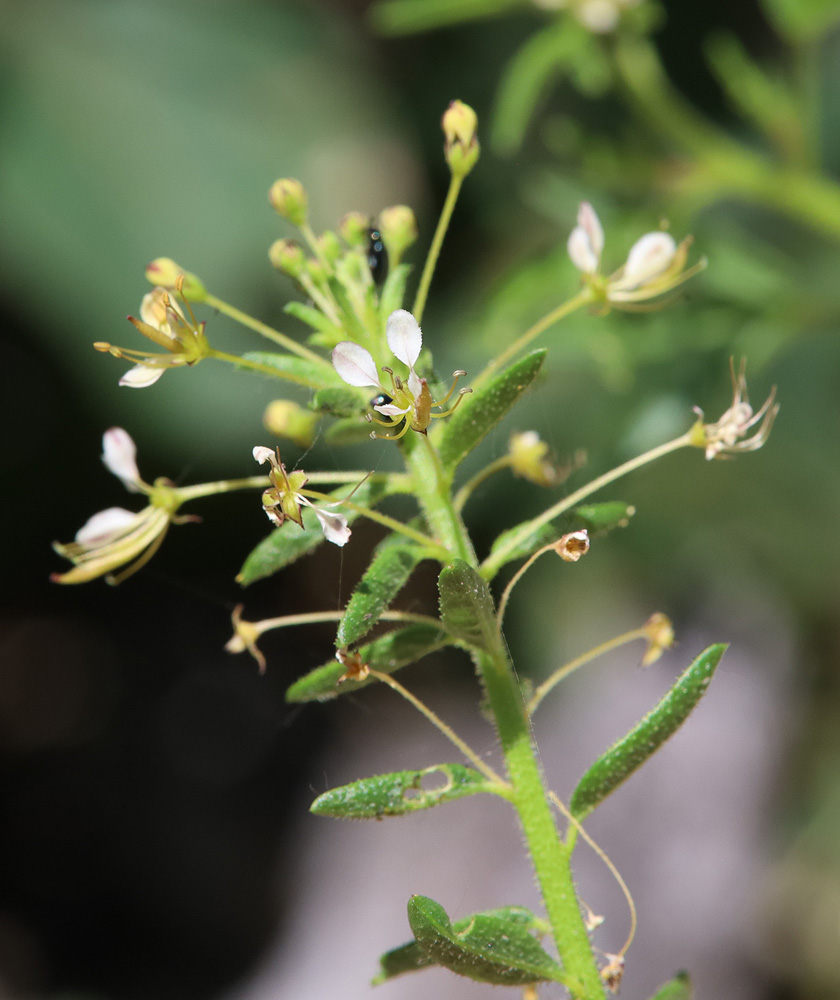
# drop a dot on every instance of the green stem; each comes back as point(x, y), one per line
point(471, 485)
point(493, 563)
point(435, 550)
point(397, 482)
point(256, 366)
point(437, 242)
point(550, 856)
point(583, 297)
point(265, 330)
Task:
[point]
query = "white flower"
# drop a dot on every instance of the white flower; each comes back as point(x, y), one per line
point(408, 400)
point(728, 436)
point(119, 453)
point(586, 240)
point(283, 499)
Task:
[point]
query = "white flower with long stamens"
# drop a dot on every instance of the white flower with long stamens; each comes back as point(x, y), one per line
point(117, 537)
point(654, 266)
point(407, 400)
point(283, 499)
point(728, 436)
point(164, 322)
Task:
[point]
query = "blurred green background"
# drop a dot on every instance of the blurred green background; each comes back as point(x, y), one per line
point(149, 780)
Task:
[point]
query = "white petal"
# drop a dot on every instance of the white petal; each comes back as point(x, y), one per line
point(334, 526)
point(648, 258)
point(581, 252)
point(262, 454)
point(415, 385)
point(153, 310)
point(589, 222)
point(108, 522)
point(390, 410)
point(598, 15)
point(354, 364)
point(404, 336)
point(119, 453)
point(140, 376)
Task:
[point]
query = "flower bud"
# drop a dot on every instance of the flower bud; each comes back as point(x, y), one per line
point(286, 419)
point(660, 636)
point(460, 125)
point(528, 458)
point(288, 257)
point(398, 226)
point(330, 246)
point(164, 272)
point(354, 229)
point(288, 198)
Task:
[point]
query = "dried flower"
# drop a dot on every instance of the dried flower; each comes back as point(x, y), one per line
point(572, 546)
point(245, 635)
point(355, 667)
point(660, 636)
point(728, 436)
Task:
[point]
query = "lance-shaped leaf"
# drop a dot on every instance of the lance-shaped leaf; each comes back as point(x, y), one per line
point(411, 957)
point(466, 607)
point(678, 988)
point(341, 401)
point(525, 546)
point(347, 430)
point(392, 292)
point(289, 542)
point(327, 333)
point(479, 413)
point(629, 753)
point(601, 518)
point(386, 654)
point(491, 948)
point(402, 792)
point(295, 369)
point(392, 565)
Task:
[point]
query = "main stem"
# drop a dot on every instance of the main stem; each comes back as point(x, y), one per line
point(550, 856)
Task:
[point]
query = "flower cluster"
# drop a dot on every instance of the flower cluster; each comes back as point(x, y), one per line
point(407, 401)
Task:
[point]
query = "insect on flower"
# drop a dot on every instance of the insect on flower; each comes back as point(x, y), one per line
point(407, 401)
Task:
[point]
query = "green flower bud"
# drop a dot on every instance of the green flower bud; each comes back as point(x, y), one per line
point(460, 125)
point(288, 257)
point(354, 229)
point(398, 226)
point(164, 272)
point(286, 419)
point(330, 246)
point(288, 198)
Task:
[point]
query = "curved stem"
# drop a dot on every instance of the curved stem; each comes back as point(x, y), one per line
point(256, 366)
point(583, 297)
point(265, 330)
point(569, 668)
point(493, 563)
point(442, 727)
point(471, 485)
point(437, 242)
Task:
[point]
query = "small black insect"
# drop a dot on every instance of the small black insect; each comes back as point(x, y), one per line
point(377, 256)
point(383, 399)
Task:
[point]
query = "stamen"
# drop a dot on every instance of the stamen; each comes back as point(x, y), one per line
point(455, 376)
point(461, 394)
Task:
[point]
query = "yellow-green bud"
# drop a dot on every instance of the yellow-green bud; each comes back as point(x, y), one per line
point(529, 458)
point(460, 126)
point(285, 419)
point(316, 270)
point(288, 198)
point(330, 246)
point(163, 271)
point(288, 257)
point(354, 229)
point(398, 226)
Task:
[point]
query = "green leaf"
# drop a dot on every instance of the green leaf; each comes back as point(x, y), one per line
point(678, 988)
point(384, 578)
point(295, 369)
point(479, 413)
point(387, 653)
point(466, 607)
point(544, 535)
point(629, 753)
point(600, 518)
point(404, 17)
point(401, 792)
point(313, 317)
point(286, 544)
point(411, 957)
point(348, 430)
point(802, 20)
point(491, 947)
point(340, 401)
